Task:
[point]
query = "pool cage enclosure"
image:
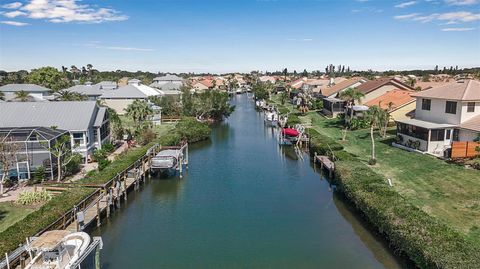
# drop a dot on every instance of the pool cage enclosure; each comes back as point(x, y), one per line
point(33, 150)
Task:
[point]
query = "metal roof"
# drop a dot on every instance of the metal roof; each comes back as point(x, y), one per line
point(124, 92)
point(23, 87)
point(426, 124)
point(100, 116)
point(71, 116)
point(168, 77)
point(88, 90)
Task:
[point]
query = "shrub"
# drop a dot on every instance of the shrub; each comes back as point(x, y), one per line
point(147, 136)
point(108, 147)
point(103, 163)
point(38, 176)
point(33, 197)
point(427, 241)
point(192, 130)
point(73, 166)
point(99, 154)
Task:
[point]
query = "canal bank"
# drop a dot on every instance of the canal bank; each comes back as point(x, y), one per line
point(244, 203)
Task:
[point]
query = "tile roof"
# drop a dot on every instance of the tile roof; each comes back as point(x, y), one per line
point(338, 87)
point(468, 90)
point(398, 98)
point(71, 116)
point(23, 87)
point(372, 85)
point(472, 124)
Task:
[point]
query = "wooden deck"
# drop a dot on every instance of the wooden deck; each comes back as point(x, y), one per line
point(325, 163)
point(104, 199)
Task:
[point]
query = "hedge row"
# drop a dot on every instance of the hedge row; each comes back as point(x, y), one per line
point(34, 222)
point(323, 145)
point(427, 241)
point(15, 235)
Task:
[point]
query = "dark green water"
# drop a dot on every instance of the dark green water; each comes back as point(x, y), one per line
point(245, 203)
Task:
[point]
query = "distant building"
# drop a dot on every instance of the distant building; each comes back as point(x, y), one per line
point(399, 103)
point(87, 123)
point(35, 92)
point(120, 98)
point(375, 88)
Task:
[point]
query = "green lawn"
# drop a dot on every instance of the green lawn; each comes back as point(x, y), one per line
point(11, 213)
point(449, 192)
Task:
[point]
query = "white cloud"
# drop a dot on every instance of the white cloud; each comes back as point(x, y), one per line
point(461, 2)
point(13, 14)
point(449, 17)
point(406, 4)
point(14, 23)
point(406, 16)
point(460, 29)
point(13, 5)
point(59, 11)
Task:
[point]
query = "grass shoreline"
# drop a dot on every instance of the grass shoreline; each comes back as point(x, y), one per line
point(15, 234)
point(432, 213)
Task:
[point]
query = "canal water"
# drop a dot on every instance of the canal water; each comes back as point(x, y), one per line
point(244, 203)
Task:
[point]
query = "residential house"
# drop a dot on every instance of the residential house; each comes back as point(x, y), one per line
point(202, 85)
point(332, 105)
point(35, 92)
point(120, 98)
point(375, 88)
point(169, 84)
point(443, 115)
point(87, 123)
point(34, 144)
point(399, 103)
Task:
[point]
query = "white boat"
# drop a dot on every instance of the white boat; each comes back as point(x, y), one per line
point(167, 161)
point(271, 118)
point(57, 249)
point(239, 91)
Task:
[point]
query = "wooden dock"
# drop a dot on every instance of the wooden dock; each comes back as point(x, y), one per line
point(325, 163)
point(106, 197)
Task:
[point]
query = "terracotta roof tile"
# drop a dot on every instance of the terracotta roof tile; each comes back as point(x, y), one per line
point(341, 86)
point(372, 85)
point(398, 98)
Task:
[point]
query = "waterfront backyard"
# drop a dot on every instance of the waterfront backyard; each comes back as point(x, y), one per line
point(449, 192)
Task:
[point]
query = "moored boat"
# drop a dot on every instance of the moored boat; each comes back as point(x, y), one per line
point(57, 249)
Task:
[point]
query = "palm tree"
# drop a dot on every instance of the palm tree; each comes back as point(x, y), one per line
point(374, 116)
point(139, 111)
point(74, 70)
point(71, 96)
point(350, 96)
point(89, 68)
point(22, 96)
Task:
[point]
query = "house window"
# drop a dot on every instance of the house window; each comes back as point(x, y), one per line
point(78, 139)
point(455, 135)
point(449, 133)
point(437, 135)
point(471, 107)
point(451, 107)
point(426, 104)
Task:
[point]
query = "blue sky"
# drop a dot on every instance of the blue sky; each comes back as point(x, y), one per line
point(239, 35)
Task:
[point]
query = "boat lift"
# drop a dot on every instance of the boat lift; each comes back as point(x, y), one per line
point(171, 158)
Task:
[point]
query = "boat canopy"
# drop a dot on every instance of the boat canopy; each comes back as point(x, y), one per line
point(48, 240)
point(290, 132)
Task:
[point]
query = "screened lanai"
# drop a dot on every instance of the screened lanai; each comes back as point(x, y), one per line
point(33, 150)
